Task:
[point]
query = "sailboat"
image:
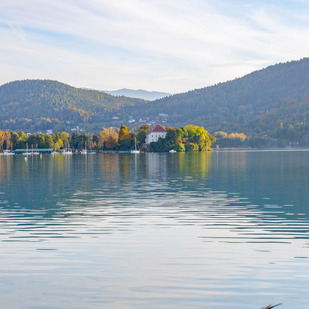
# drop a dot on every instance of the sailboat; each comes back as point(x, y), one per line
point(27, 152)
point(135, 150)
point(8, 152)
point(67, 151)
point(34, 152)
point(86, 151)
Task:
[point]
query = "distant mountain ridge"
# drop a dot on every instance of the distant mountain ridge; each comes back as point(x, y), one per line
point(263, 102)
point(44, 104)
point(139, 94)
point(271, 103)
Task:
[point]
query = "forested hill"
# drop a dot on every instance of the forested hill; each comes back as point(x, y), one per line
point(272, 102)
point(43, 104)
point(269, 101)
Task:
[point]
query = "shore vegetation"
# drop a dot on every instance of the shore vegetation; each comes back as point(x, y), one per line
point(188, 138)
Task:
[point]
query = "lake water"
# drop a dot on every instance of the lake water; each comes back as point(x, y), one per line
point(201, 230)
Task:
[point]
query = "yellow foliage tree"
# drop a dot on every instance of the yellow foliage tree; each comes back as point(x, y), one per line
point(5, 137)
point(107, 138)
point(236, 135)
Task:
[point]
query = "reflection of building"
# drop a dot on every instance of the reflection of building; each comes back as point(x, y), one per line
point(155, 133)
point(156, 165)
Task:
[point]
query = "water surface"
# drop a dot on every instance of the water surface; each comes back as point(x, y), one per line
point(200, 230)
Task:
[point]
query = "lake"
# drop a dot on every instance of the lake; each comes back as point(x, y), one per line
point(157, 230)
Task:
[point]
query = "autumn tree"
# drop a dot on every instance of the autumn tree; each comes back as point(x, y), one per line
point(58, 144)
point(240, 136)
point(65, 137)
point(48, 143)
point(221, 134)
point(145, 127)
point(2, 138)
point(196, 135)
point(14, 139)
point(22, 140)
point(108, 139)
point(173, 139)
point(125, 138)
point(230, 140)
point(141, 134)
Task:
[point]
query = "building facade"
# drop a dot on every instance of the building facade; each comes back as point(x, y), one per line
point(155, 133)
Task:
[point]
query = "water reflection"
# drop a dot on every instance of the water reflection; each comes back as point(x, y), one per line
point(163, 230)
point(243, 186)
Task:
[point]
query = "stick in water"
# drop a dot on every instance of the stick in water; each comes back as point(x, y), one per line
point(272, 306)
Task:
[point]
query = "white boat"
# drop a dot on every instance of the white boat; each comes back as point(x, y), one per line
point(172, 151)
point(66, 152)
point(8, 153)
point(27, 152)
point(135, 150)
point(34, 152)
point(85, 151)
point(54, 152)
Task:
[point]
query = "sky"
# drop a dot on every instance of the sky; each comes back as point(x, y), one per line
point(157, 45)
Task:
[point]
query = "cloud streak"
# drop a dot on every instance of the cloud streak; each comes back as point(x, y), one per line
point(157, 45)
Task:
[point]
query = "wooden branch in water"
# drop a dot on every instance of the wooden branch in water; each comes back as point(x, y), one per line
point(272, 306)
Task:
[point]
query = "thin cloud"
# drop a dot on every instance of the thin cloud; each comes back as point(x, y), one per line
point(144, 44)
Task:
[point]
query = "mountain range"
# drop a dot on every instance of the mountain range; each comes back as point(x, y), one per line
point(38, 105)
point(139, 94)
point(272, 102)
point(259, 103)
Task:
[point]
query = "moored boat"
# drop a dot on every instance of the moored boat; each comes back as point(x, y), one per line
point(135, 150)
point(85, 151)
point(27, 152)
point(8, 153)
point(66, 152)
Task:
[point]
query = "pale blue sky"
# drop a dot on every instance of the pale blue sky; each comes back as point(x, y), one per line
point(162, 45)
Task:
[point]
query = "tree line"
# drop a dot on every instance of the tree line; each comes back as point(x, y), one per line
point(187, 138)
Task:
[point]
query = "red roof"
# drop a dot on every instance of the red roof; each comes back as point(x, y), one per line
point(157, 128)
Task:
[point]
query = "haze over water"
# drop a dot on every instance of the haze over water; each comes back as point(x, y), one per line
point(201, 230)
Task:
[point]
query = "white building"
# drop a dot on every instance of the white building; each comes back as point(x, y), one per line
point(154, 134)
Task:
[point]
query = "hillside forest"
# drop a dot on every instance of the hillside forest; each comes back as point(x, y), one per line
point(270, 107)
